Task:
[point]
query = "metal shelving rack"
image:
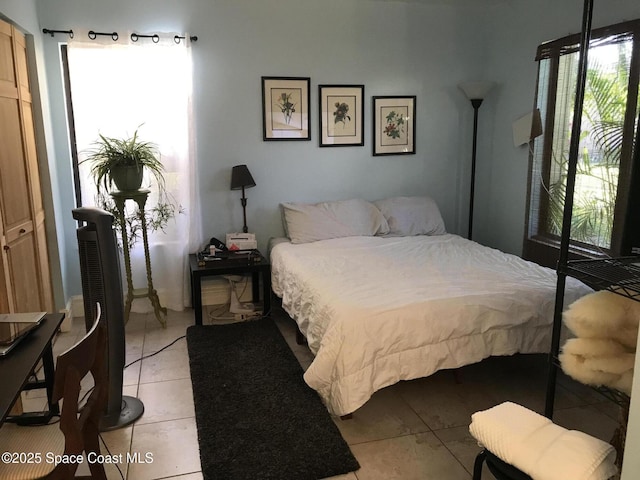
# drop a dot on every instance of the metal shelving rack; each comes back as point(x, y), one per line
point(585, 37)
point(619, 275)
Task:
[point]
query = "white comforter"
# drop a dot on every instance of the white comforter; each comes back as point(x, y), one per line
point(379, 310)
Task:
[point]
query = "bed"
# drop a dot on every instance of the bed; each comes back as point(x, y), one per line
point(382, 293)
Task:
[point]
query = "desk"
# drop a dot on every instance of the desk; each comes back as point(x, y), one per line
point(18, 365)
point(230, 267)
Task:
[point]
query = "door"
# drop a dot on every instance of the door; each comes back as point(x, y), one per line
point(25, 284)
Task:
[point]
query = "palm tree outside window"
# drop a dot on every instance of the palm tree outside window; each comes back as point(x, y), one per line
point(605, 163)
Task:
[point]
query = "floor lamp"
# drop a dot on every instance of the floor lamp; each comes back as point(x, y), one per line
point(475, 91)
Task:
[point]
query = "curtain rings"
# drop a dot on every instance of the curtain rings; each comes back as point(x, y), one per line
point(93, 35)
point(155, 38)
point(177, 39)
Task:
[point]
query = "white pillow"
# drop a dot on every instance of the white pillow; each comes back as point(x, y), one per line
point(408, 216)
point(346, 218)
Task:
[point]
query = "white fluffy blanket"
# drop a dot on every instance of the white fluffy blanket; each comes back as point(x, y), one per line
point(605, 314)
point(598, 362)
point(606, 326)
point(538, 447)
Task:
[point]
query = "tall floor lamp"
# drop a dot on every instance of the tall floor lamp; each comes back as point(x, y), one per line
point(240, 179)
point(475, 91)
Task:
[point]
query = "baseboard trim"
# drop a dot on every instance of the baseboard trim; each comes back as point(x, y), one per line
point(76, 306)
point(67, 323)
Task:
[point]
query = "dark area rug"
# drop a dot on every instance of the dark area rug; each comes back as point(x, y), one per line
point(256, 417)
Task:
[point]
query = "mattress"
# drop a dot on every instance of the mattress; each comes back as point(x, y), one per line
point(377, 310)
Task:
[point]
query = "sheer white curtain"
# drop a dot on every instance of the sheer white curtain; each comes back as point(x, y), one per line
point(124, 86)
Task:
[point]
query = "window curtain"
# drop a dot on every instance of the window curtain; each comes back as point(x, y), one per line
point(118, 87)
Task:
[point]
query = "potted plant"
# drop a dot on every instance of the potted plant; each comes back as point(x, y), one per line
point(119, 164)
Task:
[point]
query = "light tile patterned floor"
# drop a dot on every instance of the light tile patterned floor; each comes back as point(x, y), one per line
point(412, 430)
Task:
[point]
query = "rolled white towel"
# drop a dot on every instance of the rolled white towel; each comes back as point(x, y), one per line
point(604, 314)
point(538, 447)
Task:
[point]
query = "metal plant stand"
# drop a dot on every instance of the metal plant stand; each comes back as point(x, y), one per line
point(140, 197)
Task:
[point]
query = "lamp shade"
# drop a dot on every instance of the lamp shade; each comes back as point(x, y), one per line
point(241, 177)
point(476, 90)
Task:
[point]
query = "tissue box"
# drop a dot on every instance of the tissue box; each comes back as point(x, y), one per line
point(241, 241)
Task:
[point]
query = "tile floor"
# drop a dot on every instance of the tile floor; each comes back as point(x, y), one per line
point(412, 430)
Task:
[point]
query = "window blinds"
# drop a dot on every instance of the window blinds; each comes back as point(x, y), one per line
point(622, 32)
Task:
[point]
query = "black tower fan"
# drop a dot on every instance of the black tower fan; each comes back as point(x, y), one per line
point(102, 283)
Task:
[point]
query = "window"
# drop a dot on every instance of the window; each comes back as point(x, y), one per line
point(608, 128)
point(116, 89)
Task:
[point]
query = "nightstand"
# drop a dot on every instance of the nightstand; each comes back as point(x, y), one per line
point(255, 264)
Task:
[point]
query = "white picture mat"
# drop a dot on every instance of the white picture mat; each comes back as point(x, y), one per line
point(383, 144)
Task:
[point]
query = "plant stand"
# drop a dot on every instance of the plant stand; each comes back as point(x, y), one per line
point(140, 197)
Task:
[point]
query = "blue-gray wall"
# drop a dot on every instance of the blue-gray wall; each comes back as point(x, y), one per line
point(392, 48)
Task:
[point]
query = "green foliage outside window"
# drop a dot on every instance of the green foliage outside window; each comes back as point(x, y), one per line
point(598, 164)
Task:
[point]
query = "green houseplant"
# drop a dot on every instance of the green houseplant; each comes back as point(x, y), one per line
point(119, 164)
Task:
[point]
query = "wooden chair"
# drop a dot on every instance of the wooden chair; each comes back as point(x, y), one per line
point(78, 429)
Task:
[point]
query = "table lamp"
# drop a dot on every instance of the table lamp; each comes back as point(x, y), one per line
point(240, 179)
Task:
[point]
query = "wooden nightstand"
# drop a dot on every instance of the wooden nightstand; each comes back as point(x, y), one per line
point(255, 264)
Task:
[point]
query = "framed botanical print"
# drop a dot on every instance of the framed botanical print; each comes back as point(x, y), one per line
point(341, 115)
point(285, 108)
point(394, 125)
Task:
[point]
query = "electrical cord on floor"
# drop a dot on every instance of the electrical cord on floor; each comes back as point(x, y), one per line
point(31, 425)
point(88, 392)
point(217, 314)
point(223, 312)
point(110, 455)
point(154, 353)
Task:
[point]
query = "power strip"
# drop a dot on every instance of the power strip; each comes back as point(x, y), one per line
point(241, 317)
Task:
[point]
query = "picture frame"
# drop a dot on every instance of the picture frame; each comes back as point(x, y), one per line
point(341, 112)
point(285, 108)
point(394, 125)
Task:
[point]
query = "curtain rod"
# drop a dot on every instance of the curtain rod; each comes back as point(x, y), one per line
point(53, 32)
point(155, 38)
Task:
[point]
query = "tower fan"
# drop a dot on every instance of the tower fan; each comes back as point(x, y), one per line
point(102, 283)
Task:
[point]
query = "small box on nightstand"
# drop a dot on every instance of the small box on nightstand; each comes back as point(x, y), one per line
point(241, 241)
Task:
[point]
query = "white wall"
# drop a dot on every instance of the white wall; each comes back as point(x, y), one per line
point(392, 48)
